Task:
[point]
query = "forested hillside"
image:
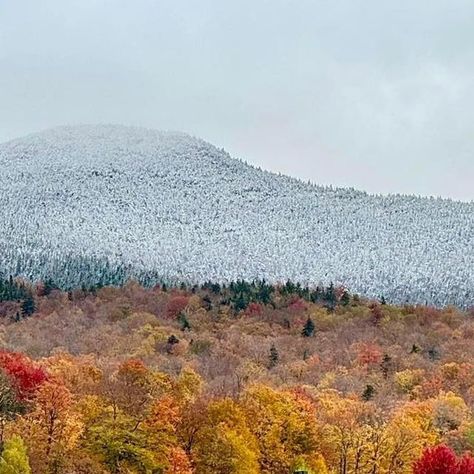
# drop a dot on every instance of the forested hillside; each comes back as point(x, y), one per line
point(100, 204)
point(240, 379)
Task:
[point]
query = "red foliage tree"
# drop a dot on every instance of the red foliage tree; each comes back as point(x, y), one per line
point(442, 460)
point(466, 464)
point(176, 305)
point(254, 309)
point(369, 354)
point(297, 305)
point(24, 374)
point(437, 460)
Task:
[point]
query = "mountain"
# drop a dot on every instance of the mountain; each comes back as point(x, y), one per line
point(86, 204)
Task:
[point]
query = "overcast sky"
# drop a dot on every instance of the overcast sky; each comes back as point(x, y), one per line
point(374, 94)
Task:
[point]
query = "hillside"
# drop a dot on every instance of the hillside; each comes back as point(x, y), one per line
point(133, 380)
point(92, 204)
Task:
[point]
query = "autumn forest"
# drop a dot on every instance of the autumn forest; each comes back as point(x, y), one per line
point(240, 379)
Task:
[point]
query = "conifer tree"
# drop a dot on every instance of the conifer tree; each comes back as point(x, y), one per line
point(240, 303)
point(330, 296)
point(185, 326)
point(28, 306)
point(308, 330)
point(415, 349)
point(386, 365)
point(345, 299)
point(368, 393)
point(274, 356)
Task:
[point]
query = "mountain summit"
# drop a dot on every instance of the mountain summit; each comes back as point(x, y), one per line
point(104, 203)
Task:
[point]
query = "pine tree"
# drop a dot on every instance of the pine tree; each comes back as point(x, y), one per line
point(49, 286)
point(207, 303)
point(184, 322)
point(415, 349)
point(28, 306)
point(330, 296)
point(172, 340)
point(345, 299)
point(308, 330)
point(368, 393)
point(434, 354)
point(274, 356)
point(240, 303)
point(386, 365)
point(14, 458)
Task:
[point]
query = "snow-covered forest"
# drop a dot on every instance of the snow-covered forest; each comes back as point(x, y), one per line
point(101, 204)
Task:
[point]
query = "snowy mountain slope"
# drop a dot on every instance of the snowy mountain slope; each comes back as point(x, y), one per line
point(90, 202)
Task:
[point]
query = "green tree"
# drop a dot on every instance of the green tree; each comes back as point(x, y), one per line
point(274, 356)
point(386, 365)
point(14, 458)
point(183, 320)
point(28, 306)
point(368, 393)
point(345, 299)
point(308, 330)
point(240, 303)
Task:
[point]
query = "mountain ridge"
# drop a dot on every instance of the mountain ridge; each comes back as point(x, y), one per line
point(242, 160)
point(165, 205)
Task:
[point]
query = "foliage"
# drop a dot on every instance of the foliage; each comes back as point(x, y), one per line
point(442, 460)
point(98, 382)
point(14, 458)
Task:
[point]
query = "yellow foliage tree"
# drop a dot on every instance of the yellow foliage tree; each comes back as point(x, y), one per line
point(225, 444)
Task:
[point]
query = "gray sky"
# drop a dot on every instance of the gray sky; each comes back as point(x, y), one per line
point(374, 94)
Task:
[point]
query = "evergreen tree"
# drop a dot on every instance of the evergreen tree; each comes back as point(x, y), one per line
point(274, 356)
point(12, 290)
point(330, 296)
point(308, 330)
point(264, 292)
point(386, 365)
point(368, 393)
point(207, 303)
point(184, 322)
point(345, 299)
point(240, 303)
point(49, 286)
point(28, 306)
point(14, 458)
point(172, 340)
point(415, 349)
point(434, 354)
point(317, 295)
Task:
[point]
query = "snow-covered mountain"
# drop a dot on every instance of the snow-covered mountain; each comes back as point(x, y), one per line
point(89, 202)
